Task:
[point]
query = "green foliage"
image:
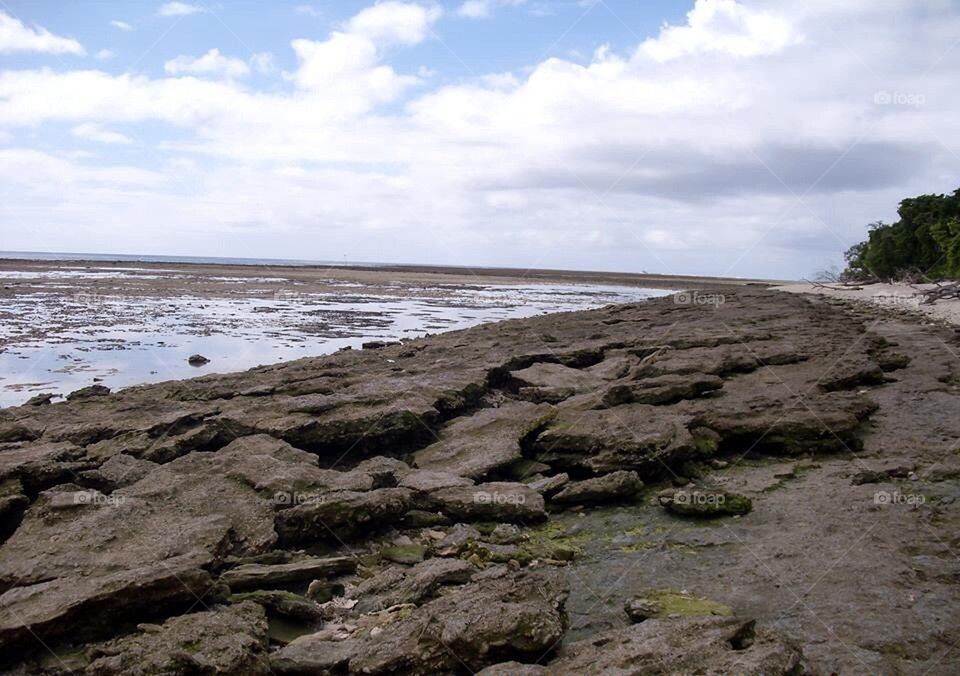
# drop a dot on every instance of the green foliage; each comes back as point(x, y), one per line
point(926, 239)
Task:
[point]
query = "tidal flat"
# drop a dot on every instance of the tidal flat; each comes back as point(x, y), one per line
point(68, 324)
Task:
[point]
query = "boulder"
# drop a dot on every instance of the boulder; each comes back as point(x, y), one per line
point(551, 383)
point(42, 399)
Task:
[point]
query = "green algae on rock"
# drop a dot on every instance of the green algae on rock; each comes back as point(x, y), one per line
point(663, 603)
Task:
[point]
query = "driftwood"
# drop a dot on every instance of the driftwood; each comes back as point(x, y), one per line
point(842, 287)
point(940, 292)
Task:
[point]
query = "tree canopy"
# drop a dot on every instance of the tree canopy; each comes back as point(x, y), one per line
point(925, 240)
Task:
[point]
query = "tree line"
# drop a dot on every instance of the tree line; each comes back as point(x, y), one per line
point(923, 244)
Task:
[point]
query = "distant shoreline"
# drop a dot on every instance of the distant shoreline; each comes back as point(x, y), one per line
point(502, 275)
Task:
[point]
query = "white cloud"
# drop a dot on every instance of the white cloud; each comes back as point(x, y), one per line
point(619, 160)
point(483, 9)
point(308, 10)
point(179, 9)
point(104, 55)
point(91, 131)
point(121, 25)
point(211, 63)
point(475, 9)
point(346, 72)
point(263, 62)
point(722, 26)
point(394, 22)
point(16, 37)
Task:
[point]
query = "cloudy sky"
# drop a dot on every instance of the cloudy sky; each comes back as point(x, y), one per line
point(731, 137)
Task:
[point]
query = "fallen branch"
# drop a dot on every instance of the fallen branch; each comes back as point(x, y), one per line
point(941, 292)
point(819, 285)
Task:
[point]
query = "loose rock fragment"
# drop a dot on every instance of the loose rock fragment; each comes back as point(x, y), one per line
point(705, 503)
point(621, 485)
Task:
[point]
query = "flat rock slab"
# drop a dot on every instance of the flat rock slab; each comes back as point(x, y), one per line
point(635, 437)
point(620, 485)
point(229, 640)
point(340, 515)
point(682, 646)
point(493, 501)
point(545, 374)
point(430, 480)
point(411, 585)
point(143, 549)
point(260, 576)
point(662, 390)
point(506, 613)
point(477, 445)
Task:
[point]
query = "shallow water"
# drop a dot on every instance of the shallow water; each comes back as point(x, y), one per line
point(57, 340)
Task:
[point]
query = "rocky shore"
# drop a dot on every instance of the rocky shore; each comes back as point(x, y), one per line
point(737, 481)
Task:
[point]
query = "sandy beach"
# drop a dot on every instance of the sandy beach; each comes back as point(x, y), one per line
point(902, 298)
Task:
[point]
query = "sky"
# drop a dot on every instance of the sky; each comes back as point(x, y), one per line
point(713, 137)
